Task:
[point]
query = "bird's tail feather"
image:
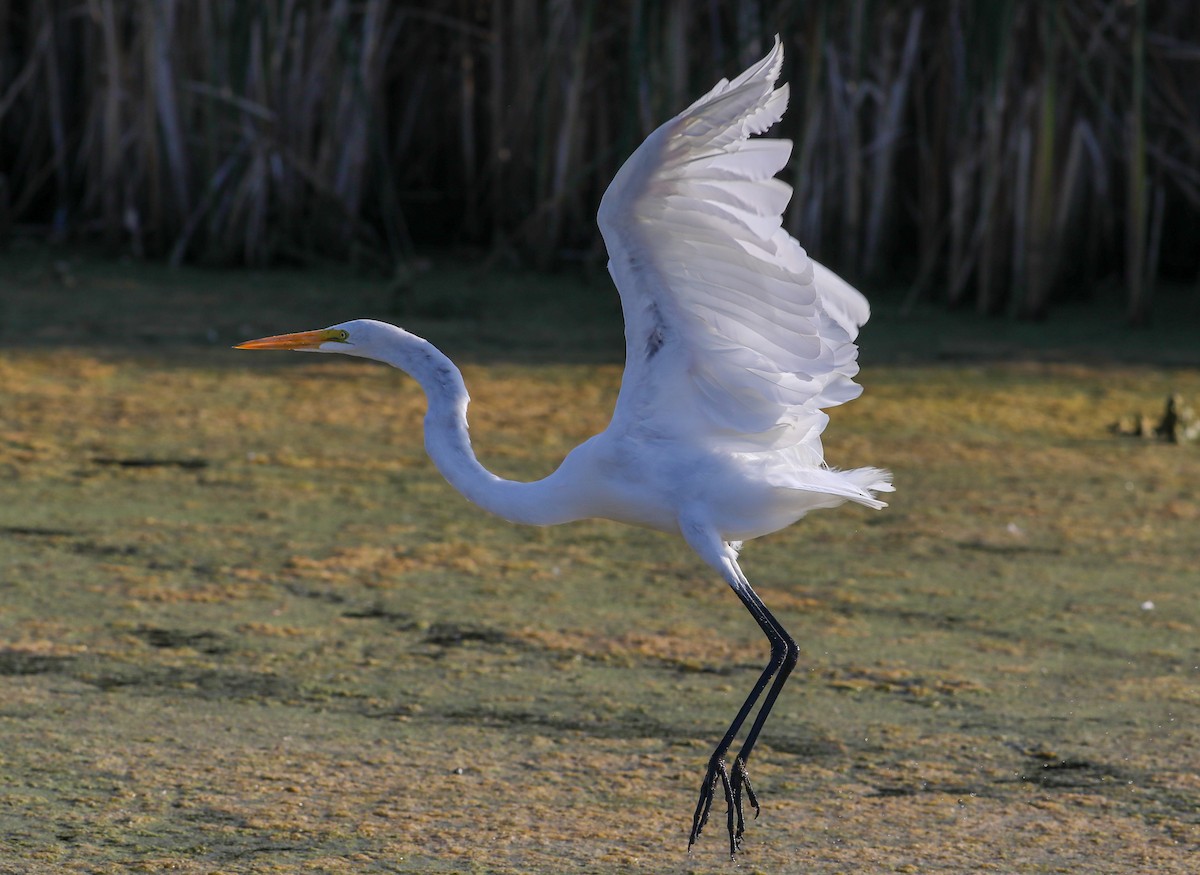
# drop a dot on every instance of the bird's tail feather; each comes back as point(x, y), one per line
point(870, 481)
point(858, 484)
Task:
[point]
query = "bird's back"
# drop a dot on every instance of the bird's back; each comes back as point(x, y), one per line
point(655, 482)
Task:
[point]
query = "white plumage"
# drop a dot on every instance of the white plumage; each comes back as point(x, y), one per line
point(692, 223)
point(736, 343)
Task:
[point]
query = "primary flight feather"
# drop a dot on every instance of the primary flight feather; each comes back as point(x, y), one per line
point(736, 343)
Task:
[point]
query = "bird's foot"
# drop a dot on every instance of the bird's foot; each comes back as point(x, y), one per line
point(717, 773)
point(733, 786)
point(740, 781)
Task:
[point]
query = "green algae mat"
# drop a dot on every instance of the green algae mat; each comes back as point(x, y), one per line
point(245, 627)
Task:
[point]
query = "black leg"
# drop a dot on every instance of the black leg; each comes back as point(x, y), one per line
point(718, 772)
point(740, 779)
point(784, 654)
point(791, 657)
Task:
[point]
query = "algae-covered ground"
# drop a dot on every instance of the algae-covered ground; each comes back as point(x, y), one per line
point(246, 627)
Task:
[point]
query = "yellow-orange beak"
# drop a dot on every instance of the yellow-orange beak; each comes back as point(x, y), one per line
point(299, 340)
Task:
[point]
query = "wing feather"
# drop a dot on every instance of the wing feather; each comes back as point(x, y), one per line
point(732, 331)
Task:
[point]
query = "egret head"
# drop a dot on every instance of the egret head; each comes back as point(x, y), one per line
point(360, 337)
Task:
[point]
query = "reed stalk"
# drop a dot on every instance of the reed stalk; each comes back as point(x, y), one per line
point(1040, 242)
point(1136, 192)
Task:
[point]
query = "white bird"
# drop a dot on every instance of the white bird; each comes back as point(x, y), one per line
point(736, 341)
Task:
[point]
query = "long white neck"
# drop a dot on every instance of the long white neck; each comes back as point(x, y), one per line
point(448, 442)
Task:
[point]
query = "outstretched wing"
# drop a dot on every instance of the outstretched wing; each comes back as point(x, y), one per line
point(733, 334)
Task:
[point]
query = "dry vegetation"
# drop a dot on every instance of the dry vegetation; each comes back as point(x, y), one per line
point(246, 628)
point(994, 152)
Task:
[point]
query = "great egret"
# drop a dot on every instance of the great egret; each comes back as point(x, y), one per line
point(735, 343)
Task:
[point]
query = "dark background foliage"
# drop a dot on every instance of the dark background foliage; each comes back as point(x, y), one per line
point(1002, 154)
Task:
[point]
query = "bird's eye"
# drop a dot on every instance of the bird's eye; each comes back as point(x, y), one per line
point(342, 336)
